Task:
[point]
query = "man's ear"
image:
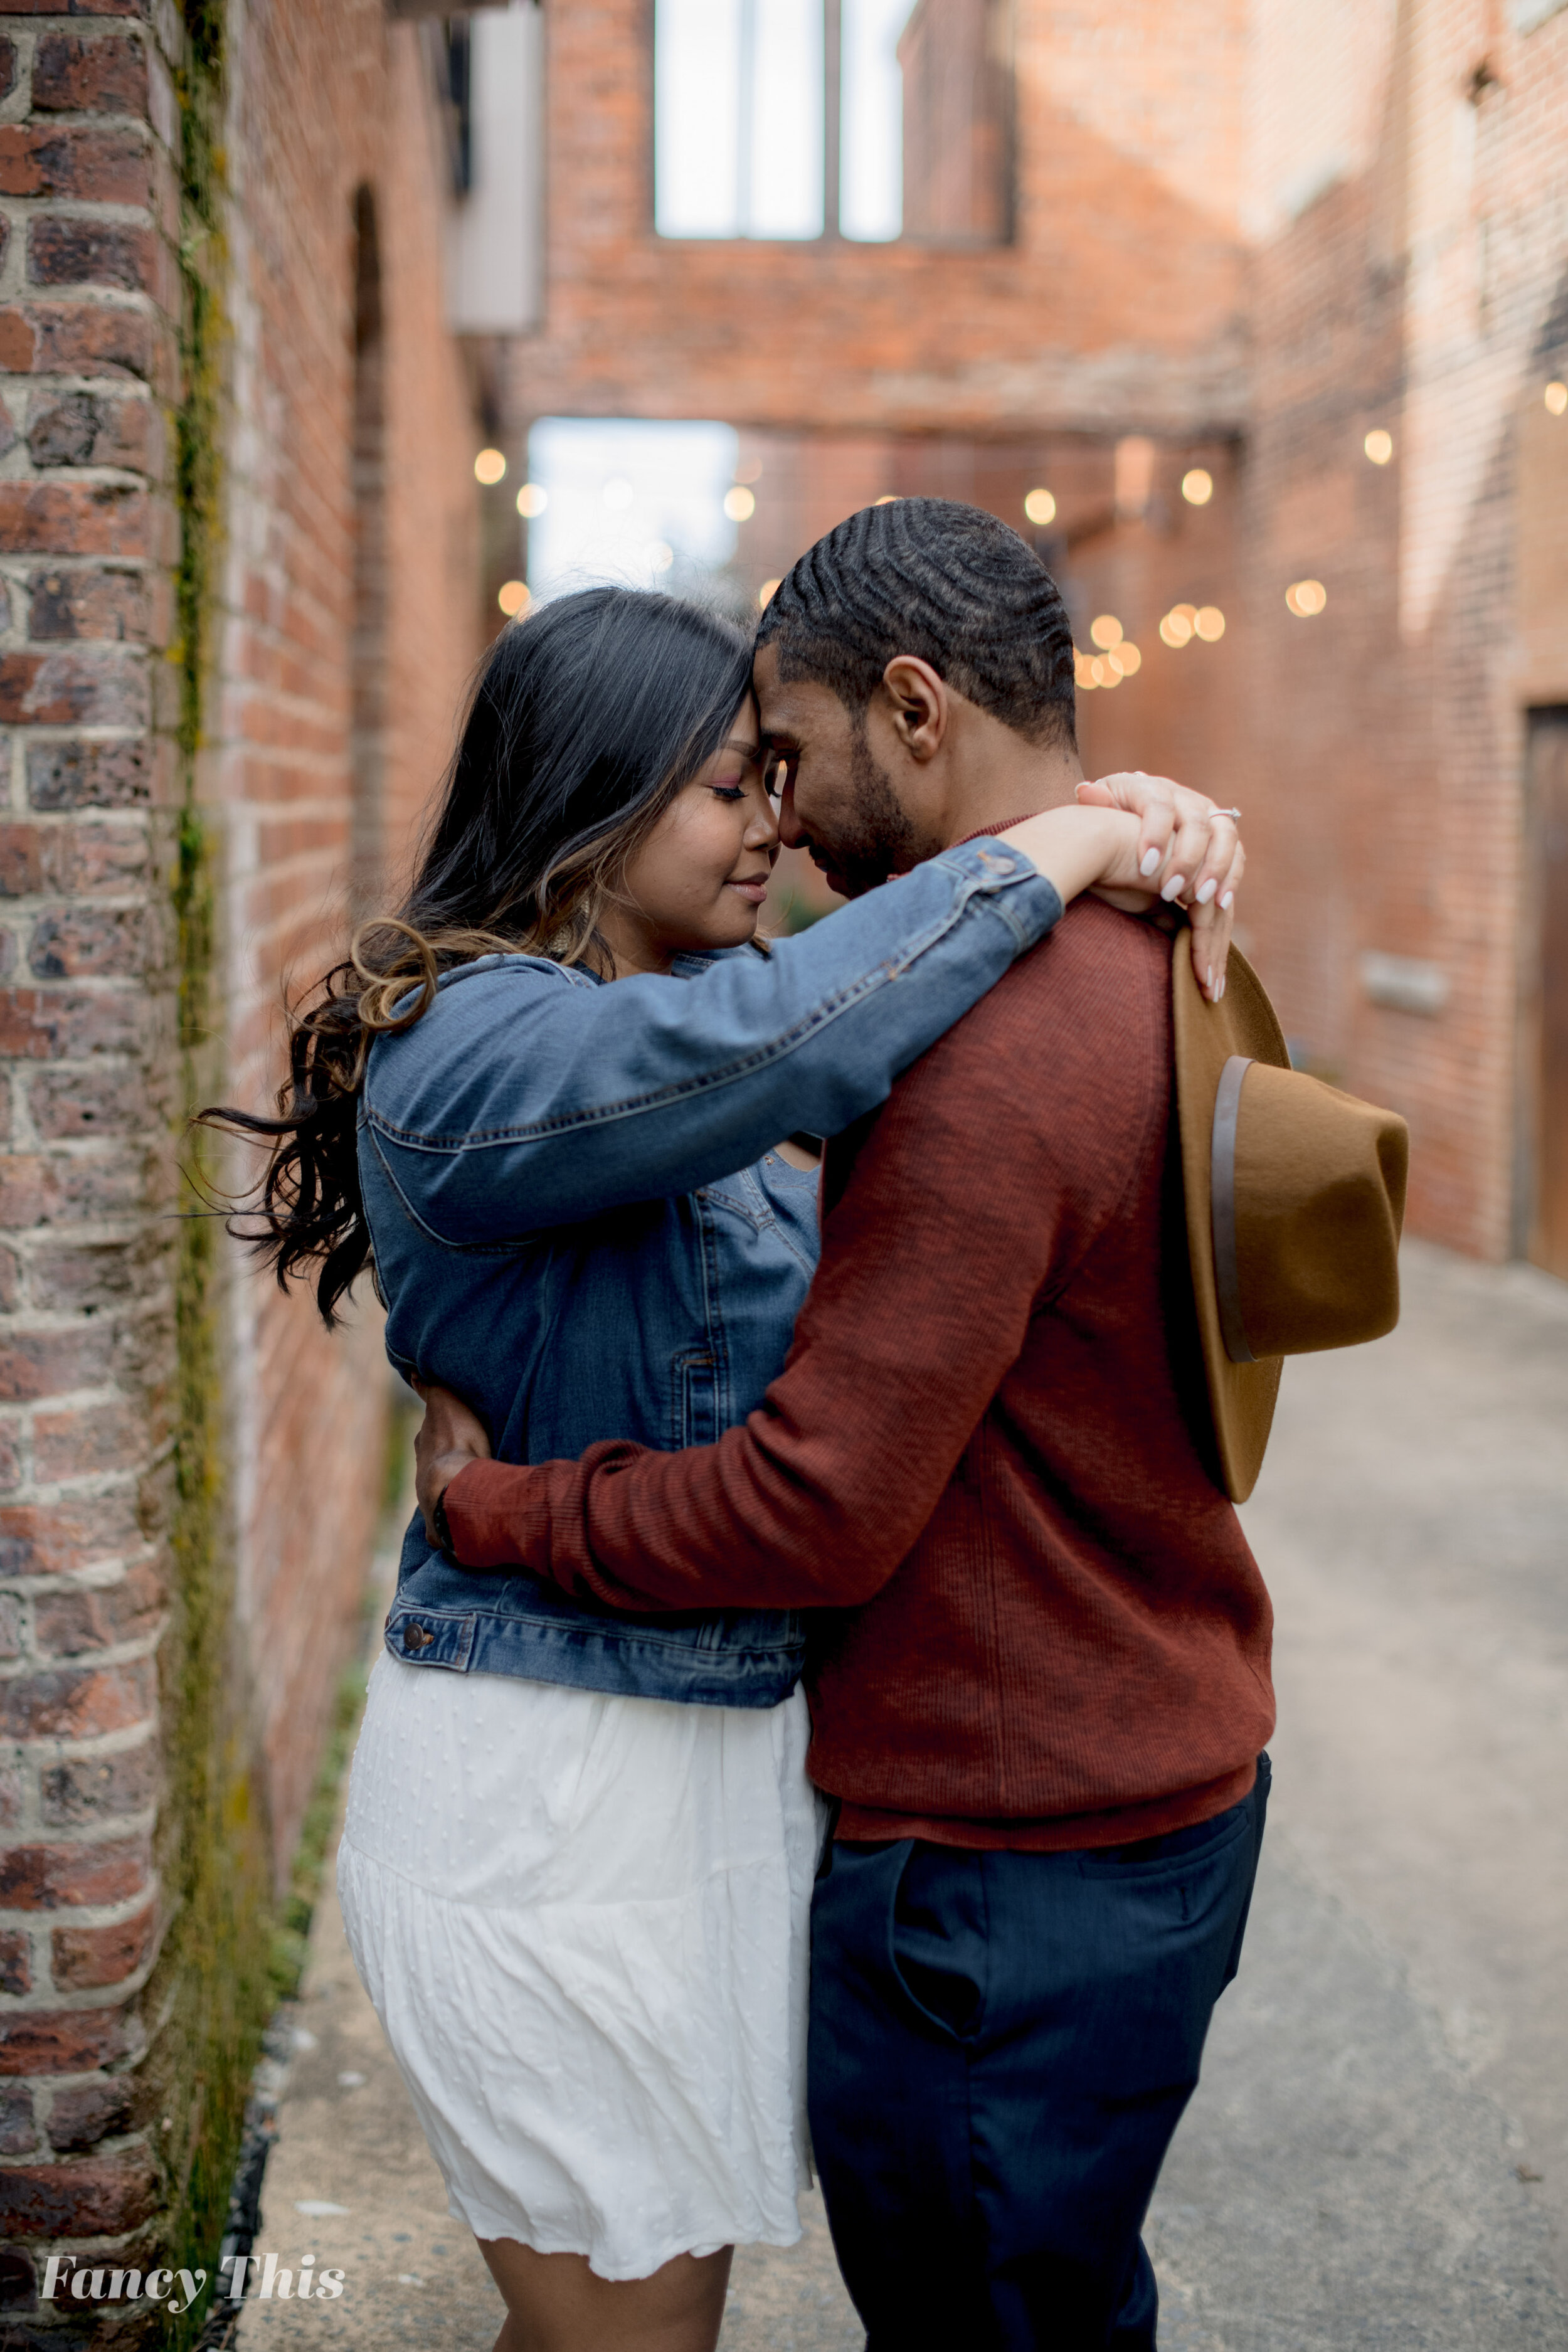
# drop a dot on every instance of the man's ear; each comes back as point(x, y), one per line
point(921, 706)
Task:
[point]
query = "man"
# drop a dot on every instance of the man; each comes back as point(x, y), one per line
point(1041, 1709)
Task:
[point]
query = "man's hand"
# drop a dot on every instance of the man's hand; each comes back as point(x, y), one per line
point(449, 1437)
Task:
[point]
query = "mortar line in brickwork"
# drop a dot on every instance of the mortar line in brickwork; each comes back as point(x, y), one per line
point(74, 380)
point(96, 211)
point(114, 1562)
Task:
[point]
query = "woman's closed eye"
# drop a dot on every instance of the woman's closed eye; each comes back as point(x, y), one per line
point(728, 792)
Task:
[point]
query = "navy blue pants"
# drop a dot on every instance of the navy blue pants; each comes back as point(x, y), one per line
point(1002, 2045)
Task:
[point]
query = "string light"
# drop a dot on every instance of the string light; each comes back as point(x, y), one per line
point(1209, 623)
point(765, 595)
point(512, 596)
point(1306, 598)
point(1121, 660)
point(489, 465)
point(533, 500)
point(1379, 446)
point(1106, 631)
point(1197, 486)
point(739, 504)
point(1177, 627)
point(888, 498)
point(1040, 506)
point(1556, 398)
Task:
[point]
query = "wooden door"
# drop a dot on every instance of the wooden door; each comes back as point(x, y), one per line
point(1549, 800)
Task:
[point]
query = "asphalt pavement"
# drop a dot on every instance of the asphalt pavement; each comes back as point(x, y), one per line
point(1378, 2154)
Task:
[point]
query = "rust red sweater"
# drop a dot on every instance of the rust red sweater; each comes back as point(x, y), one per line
point(988, 1449)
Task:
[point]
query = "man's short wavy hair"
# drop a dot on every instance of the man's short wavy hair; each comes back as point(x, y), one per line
point(947, 582)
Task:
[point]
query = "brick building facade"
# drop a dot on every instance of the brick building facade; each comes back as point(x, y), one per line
point(239, 573)
point(1241, 237)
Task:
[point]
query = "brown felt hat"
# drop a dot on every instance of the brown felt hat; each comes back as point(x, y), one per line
point(1295, 1196)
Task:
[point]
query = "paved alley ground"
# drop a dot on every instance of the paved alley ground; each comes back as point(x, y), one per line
point(1378, 2156)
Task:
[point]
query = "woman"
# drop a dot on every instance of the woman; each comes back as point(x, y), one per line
point(577, 1862)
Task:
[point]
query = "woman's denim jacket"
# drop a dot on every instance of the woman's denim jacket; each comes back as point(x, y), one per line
point(579, 1227)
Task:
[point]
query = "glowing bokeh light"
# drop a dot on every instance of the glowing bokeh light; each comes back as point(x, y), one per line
point(533, 500)
point(1556, 398)
point(1106, 631)
point(1306, 598)
point(765, 595)
point(489, 467)
point(1209, 623)
point(739, 504)
point(1379, 446)
point(1197, 486)
point(513, 597)
point(1040, 506)
point(1126, 657)
point(888, 498)
point(1083, 671)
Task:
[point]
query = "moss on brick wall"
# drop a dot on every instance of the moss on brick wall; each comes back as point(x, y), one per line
point(214, 1990)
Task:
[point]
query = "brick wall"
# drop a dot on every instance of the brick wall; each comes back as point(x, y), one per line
point(89, 310)
point(1119, 295)
point(1255, 234)
point(111, 1804)
point(312, 83)
point(1410, 263)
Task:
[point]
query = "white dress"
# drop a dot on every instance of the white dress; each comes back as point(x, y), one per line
point(583, 1922)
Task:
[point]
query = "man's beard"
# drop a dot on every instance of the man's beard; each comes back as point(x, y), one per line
point(876, 837)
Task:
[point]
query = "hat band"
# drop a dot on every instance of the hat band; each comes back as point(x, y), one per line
point(1222, 1199)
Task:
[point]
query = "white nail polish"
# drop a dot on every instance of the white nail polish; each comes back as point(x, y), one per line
point(1150, 862)
point(1173, 887)
point(1227, 902)
point(1211, 980)
point(1222, 988)
point(1206, 893)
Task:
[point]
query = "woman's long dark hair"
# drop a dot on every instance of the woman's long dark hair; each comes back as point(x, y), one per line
point(584, 722)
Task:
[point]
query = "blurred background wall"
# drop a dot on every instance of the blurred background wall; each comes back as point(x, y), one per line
point(1268, 305)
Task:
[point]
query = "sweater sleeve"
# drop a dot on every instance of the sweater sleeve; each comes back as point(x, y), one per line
point(969, 1203)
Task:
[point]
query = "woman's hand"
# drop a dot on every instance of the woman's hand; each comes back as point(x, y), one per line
point(449, 1438)
point(1158, 841)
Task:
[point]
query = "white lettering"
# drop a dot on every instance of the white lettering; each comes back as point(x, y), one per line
point(276, 2282)
point(193, 2281)
point(237, 2266)
point(125, 2285)
point(332, 2282)
point(88, 2285)
point(54, 2269)
point(158, 2284)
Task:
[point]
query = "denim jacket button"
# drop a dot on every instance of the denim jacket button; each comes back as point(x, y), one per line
point(415, 1637)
